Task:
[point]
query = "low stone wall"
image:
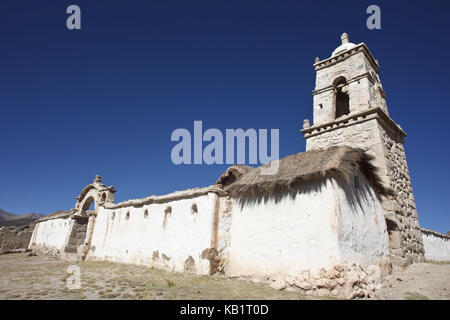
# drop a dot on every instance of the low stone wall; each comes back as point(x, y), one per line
point(437, 245)
point(13, 239)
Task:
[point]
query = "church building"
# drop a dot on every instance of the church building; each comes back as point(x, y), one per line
point(332, 220)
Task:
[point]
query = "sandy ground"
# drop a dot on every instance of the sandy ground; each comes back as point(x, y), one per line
point(421, 281)
point(45, 277)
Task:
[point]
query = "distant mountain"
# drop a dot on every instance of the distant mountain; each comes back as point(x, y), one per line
point(3, 213)
point(11, 219)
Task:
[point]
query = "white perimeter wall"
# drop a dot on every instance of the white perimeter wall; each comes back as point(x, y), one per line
point(319, 228)
point(143, 240)
point(51, 233)
point(436, 248)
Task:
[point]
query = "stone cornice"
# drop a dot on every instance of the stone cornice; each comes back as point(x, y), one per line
point(177, 195)
point(354, 118)
point(330, 87)
point(435, 233)
point(62, 215)
point(346, 54)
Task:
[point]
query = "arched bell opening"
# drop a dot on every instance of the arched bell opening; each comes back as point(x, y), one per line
point(341, 97)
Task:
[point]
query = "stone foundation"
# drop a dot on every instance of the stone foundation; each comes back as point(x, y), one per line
point(340, 281)
point(45, 250)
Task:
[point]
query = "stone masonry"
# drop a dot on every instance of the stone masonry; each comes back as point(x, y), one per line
point(77, 235)
point(350, 109)
point(15, 239)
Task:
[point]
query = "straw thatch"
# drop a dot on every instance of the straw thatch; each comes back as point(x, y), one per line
point(233, 173)
point(297, 169)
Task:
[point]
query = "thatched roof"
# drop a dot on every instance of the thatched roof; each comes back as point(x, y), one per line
point(299, 168)
point(233, 173)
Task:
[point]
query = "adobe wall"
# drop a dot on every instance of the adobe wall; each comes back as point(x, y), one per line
point(277, 238)
point(173, 232)
point(50, 234)
point(330, 239)
point(437, 245)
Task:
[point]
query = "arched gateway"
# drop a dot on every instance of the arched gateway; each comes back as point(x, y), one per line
point(83, 218)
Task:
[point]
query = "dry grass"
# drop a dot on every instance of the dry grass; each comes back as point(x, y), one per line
point(437, 262)
point(44, 277)
point(415, 296)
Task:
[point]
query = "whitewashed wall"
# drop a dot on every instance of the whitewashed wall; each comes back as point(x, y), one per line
point(361, 226)
point(145, 240)
point(51, 234)
point(436, 247)
point(320, 228)
point(277, 238)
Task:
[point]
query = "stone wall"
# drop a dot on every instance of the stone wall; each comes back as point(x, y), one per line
point(15, 239)
point(360, 71)
point(77, 236)
point(357, 132)
point(437, 245)
point(412, 249)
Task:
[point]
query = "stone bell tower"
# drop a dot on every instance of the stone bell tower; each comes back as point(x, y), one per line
point(350, 109)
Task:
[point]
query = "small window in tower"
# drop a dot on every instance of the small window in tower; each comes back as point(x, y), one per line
point(146, 214)
point(127, 217)
point(320, 106)
point(341, 97)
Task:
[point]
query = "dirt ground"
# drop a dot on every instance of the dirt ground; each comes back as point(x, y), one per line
point(420, 281)
point(45, 277)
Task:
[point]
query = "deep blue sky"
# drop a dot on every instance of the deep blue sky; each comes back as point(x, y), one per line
point(105, 99)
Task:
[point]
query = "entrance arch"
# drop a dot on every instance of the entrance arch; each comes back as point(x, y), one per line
point(83, 219)
point(95, 192)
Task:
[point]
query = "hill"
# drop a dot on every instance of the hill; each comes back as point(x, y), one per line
point(11, 219)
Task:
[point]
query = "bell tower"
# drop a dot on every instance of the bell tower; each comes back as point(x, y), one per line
point(350, 109)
